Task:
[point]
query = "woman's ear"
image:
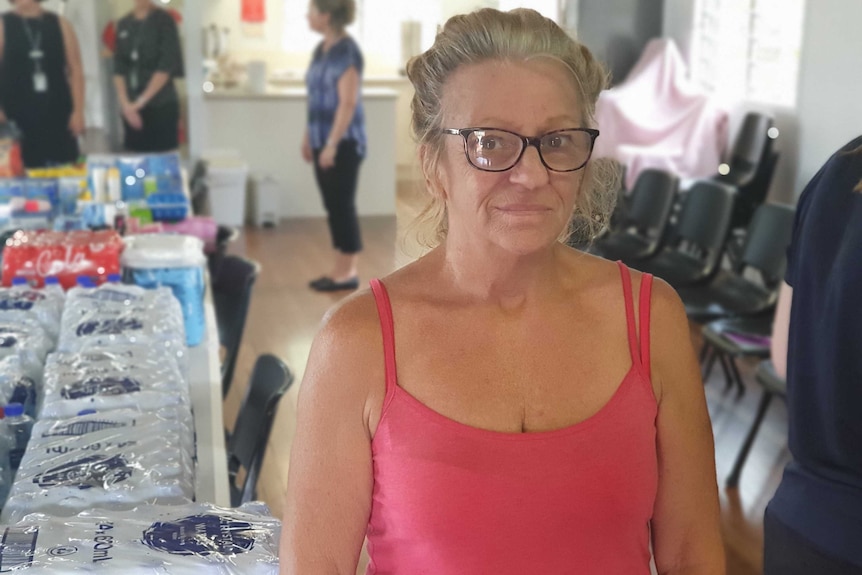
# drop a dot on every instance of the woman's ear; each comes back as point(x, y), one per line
point(431, 172)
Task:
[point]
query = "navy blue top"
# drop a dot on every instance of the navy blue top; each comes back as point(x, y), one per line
point(322, 82)
point(820, 496)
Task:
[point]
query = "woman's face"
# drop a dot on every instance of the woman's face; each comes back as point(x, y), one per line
point(522, 210)
point(317, 20)
point(24, 4)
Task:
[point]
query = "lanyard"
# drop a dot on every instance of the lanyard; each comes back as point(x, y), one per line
point(135, 56)
point(35, 40)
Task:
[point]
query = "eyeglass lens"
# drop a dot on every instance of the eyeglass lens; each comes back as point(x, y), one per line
point(498, 150)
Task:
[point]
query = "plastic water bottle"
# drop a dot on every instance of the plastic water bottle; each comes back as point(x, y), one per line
point(18, 426)
point(24, 392)
point(52, 284)
point(19, 281)
point(114, 278)
point(86, 282)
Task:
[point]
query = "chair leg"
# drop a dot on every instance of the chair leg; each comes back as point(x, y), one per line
point(722, 359)
point(737, 379)
point(733, 479)
point(707, 360)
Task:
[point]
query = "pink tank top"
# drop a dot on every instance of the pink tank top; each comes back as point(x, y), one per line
point(449, 498)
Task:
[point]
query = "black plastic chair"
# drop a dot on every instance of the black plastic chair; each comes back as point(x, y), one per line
point(232, 287)
point(733, 294)
point(728, 340)
point(198, 188)
point(246, 447)
point(752, 165)
point(640, 230)
point(225, 235)
point(772, 386)
point(694, 251)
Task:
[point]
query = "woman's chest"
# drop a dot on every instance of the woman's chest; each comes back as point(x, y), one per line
point(138, 42)
point(533, 376)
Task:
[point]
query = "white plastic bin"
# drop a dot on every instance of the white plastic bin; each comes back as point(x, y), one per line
point(266, 196)
point(227, 178)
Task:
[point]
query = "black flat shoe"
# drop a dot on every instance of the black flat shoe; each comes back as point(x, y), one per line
point(329, 285)
point(321, 281)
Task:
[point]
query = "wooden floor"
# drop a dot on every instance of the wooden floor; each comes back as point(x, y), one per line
point(285, 314)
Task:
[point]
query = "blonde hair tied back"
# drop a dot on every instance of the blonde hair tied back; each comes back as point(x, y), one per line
point(517, 35)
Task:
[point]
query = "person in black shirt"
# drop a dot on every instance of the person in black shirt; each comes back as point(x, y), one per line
point(41, 83)
point(814, 522)
point(147, 59)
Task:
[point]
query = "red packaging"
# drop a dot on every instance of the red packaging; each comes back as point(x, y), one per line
point(65, 255)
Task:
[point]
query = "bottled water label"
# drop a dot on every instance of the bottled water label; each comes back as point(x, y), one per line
point(117, 459)
point(183, 540)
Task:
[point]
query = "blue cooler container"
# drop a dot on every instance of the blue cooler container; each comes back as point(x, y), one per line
point(173, 261)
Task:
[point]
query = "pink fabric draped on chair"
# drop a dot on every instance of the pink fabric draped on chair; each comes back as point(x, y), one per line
point(658, 118)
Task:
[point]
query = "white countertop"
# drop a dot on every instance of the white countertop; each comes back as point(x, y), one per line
point(242, 93)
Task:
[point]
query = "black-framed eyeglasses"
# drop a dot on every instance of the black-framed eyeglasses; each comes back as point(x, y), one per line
point(496, 150)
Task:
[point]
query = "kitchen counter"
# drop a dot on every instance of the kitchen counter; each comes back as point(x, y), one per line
point(267, 129)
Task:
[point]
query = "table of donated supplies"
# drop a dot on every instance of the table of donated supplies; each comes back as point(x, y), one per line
point(112, 452)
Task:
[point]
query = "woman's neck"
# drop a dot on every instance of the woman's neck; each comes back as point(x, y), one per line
point(32, 10)
point(501, 278)
point(142, 11)
point(331, 37)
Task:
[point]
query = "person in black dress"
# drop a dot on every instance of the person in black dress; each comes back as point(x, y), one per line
point(147, 59)
point(41, 83)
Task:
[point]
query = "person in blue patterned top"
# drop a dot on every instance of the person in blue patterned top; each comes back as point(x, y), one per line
point(335, 138)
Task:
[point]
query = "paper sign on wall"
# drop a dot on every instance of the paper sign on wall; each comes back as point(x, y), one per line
point(254, 11)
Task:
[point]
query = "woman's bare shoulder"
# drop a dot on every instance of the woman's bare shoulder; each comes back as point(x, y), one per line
point(350, 319)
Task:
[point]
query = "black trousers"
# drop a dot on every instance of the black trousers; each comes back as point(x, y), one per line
point(788, 553)
point(338, 188)
point(160, 132)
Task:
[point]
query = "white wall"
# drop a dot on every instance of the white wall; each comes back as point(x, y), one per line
point(193, 54)
point(829, 101)
point(679, 24)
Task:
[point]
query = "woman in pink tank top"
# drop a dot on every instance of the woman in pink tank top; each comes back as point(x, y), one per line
point(505, 404)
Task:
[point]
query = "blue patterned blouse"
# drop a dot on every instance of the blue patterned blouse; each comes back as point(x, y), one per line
point(322, 83)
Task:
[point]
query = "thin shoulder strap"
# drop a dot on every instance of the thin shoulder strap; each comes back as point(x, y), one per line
point(630, 311)
point(387, 326)
point(646, 299)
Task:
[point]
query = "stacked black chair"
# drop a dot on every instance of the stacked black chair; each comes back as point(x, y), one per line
point(695, 249)
point(764, 251)
point(772, 386)
point(751, 166)
point(638, 233)
point(727, 340)
point(740, 309)
point(232, 288)
point(247, 445)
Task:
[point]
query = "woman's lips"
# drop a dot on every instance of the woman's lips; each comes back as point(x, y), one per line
point(523, 209)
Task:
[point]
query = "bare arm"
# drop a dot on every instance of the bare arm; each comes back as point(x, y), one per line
point(330, 477)
point(75, 72)
point(685, 525)
point(781, 331)
point(157, 82)
point(348, 96)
